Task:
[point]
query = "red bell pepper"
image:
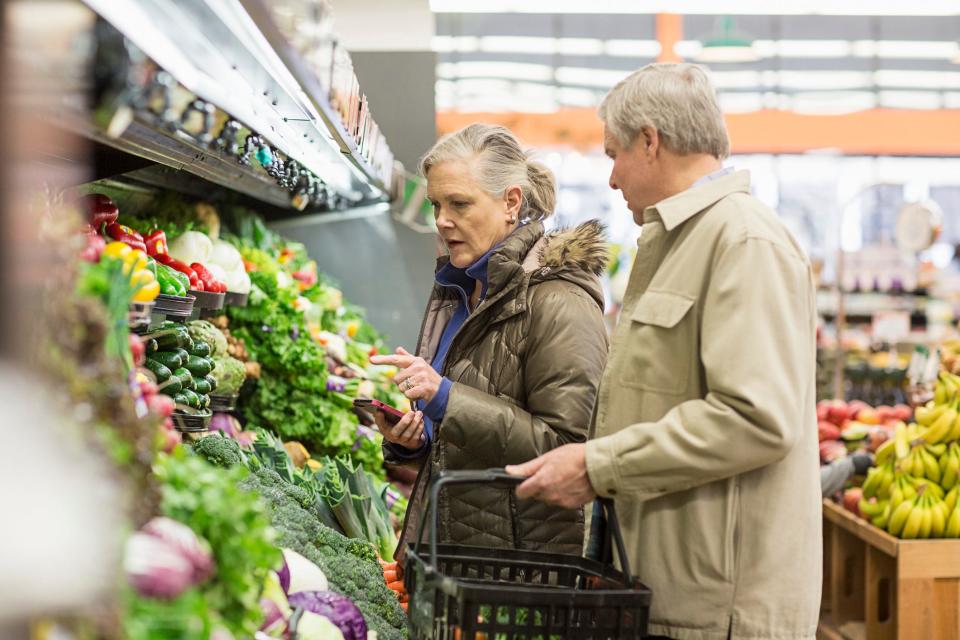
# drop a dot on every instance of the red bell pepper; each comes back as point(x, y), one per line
point(182, 267)
point(210, 283)
point(126, 235)
point(100, 210)
point(156, 242)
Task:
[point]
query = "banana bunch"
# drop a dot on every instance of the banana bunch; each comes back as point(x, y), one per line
point(879, 480)
point(923, 516)
point(946, 389)
point(923, 461)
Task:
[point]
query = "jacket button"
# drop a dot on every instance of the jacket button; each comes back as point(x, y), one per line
point(612, 491)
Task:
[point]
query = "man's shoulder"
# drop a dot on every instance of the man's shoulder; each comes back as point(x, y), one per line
point(740, 218)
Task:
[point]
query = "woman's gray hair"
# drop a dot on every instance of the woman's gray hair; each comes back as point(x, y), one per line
point(499, 162)
point(676, 99)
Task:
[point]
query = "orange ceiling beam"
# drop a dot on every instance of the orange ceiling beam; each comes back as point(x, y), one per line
point(669, 32)
point(901, 132)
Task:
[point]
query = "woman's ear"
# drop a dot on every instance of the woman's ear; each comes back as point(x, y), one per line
point(513, 198)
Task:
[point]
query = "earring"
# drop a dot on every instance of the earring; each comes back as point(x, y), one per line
point(512, 220)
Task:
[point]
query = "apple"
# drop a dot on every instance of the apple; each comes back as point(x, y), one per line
point(869, 416)
point(854, 407)
point(885, 412)
point(837, 411)
point(823, 410)
point(831, 450)
point(827, 431)
point(903, 412)
point(878, 435)
point(851, 500)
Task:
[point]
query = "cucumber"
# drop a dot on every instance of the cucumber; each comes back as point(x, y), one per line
point(168, 341)
point(201, 386)
point(180, 398)
point(193, 400)
point(198, 366)
point(211, 381)
point(152, 346)
point(169, 359)
point(186, 378)
point(171, 387)
point(200, 349)
point(168, 324)
point(159, 369)
point(187, 342)
point(183, 355)
point(204, 402)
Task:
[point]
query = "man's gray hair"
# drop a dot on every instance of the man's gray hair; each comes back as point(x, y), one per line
point(676, 99)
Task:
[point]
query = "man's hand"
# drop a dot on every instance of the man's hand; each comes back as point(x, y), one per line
point(558, 477)
point(417, 379)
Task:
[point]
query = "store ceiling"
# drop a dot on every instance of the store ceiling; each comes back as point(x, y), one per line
point(508, 61)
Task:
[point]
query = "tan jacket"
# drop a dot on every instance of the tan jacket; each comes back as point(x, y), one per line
point(705, 430)
point(525, 368)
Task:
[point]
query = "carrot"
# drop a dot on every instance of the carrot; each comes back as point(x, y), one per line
point(390, 575)
point(396, 585)
point(404, 605)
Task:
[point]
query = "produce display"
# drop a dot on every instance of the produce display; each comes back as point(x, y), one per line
point(912, 490)
point(844, 428)
point(243, 533)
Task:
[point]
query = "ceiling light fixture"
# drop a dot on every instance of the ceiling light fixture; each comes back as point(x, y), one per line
point(726, 45)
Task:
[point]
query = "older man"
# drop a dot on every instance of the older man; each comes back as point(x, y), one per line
point(704, 430)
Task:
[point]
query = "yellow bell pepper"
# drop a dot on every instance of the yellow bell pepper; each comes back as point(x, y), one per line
point(135, 260)
point(148, 292)
point(147, 286)
point(116, 250)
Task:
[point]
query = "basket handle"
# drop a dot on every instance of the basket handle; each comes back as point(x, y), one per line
point(499, 476)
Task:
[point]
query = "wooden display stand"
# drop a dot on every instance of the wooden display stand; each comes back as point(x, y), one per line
point(878, 587)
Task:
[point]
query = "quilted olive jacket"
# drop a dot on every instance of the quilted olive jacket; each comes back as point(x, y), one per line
point(525, 367)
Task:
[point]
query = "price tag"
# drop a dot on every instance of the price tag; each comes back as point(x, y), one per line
point(891, 326)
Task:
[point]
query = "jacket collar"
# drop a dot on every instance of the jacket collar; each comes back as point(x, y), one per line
point(682, 206)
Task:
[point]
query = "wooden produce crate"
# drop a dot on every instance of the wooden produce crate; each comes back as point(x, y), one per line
point(881, 588)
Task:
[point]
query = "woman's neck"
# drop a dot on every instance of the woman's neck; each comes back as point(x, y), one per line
point(475, 296)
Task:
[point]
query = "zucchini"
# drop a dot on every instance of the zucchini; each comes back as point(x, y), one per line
point(168, 324)
point(211, 381)
point(183, 355)
point(199, 366)
point(193, 400)
point(187, 342)
point(204, 402)
point(171, 387)
point(186, 378)
point(168, 341)
point(180, 398)
point(151, 346)
point(200, 349)
point(159, 369)
point(201, 386)
point(169, 359)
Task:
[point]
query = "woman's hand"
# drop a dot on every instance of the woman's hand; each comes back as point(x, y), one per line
point(407, 432)
point(416, 379)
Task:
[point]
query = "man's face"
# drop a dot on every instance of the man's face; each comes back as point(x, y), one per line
point(635, 171)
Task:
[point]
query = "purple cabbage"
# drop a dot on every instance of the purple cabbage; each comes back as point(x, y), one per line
point(336, 608)
point(184, 540)
point(156, 569)
point(336, 383)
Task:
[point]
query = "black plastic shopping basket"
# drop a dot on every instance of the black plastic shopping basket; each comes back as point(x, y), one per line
point(461, 592)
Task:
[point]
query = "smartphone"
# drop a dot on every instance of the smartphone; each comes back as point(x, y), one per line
point(391, 414)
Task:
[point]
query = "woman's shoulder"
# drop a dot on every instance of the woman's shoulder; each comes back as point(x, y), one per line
point(569, 263)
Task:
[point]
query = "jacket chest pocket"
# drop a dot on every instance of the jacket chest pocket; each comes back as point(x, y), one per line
point(660, 343)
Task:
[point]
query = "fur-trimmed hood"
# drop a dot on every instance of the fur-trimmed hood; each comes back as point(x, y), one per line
point(582, 247)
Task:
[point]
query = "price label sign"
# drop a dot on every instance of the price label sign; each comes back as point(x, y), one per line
point(891, 326)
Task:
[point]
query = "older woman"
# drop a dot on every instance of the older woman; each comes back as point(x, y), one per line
point(512, 344)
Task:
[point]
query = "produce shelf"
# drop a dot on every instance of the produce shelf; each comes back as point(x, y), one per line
point(896, 589)
point(220, 66)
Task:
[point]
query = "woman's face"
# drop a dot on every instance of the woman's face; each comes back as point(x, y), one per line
point(470, 221)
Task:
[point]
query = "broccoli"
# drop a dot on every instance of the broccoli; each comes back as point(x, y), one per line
point(218, 450)
point(350, 565)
